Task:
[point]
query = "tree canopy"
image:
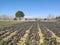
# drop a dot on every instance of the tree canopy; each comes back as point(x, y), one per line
point(19, 14)
point(58, 17)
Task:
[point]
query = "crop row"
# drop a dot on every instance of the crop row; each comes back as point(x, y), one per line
point(55, 27)
point(19, 30)
point(33, 37)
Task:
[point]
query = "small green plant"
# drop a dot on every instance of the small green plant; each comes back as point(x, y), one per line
point(42, 44)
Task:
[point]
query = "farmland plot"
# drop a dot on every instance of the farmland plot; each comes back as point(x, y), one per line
point(30, 33)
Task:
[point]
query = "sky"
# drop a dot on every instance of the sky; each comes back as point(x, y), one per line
point(31, 8)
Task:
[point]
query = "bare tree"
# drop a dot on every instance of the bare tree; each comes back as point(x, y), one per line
point(50, 16)
point(4, 17)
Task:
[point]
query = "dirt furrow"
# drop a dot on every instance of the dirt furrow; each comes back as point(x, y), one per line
point(23, 39)
point(41, 35)
point(53, 35)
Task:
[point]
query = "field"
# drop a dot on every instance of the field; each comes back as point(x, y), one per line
point(29, 33)
point(8, 23)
